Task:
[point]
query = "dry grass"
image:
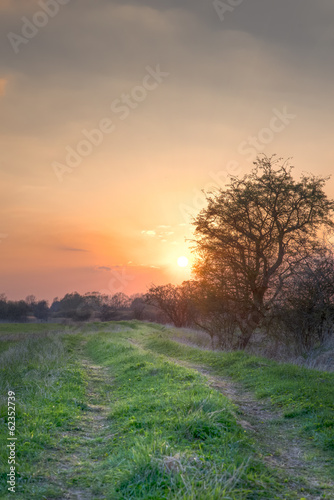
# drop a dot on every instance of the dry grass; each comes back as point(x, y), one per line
point(320, 358)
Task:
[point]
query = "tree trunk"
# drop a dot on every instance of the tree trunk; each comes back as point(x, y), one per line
point(247, 332)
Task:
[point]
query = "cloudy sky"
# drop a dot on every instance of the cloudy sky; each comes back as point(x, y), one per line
point(116, 114)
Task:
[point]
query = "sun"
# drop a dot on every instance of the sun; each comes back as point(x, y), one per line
point(182, 261)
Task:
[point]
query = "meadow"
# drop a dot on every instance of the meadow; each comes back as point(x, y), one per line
point(123, 410)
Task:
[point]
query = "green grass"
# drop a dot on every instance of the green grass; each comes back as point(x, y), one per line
point(48, 386)
point(174, 437)
point(26, 329)
point(129, 423)
point(304, 395)
point(10, 333)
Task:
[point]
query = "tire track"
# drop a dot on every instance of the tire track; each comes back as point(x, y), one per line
point(298, 463)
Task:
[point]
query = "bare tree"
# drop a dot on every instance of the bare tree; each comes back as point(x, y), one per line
point(138, 305)
point(304, 315)
point(173, 301)
point(212, 311)
point(120, 301)
point(251, 236)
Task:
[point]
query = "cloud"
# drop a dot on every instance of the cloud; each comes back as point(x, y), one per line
point(263, 49)
point(104, 268)
point(150, 232)
point(71, 249)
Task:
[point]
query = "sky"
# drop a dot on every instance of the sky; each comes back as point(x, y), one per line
point(115, 115)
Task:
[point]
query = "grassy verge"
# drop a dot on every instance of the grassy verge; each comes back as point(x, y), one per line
point(304, 395)
point(49, 387)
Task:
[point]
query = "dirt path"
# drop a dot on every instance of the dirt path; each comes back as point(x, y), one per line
point(93, 424)
point(93, 430)
point(299, 464)
point(275, 438)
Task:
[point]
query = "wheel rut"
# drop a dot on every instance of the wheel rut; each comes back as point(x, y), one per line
point(94, 428)
point(298, 463)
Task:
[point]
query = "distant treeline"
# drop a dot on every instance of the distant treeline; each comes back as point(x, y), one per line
point(76, 307)
point(19, 311)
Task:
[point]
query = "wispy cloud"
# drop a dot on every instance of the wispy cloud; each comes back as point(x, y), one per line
point(149, 232)
point(104, 268)
point(71, 249)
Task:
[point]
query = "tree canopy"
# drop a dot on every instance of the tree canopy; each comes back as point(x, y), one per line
point(252, 234)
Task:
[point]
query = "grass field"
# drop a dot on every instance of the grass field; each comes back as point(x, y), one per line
point(122, 411)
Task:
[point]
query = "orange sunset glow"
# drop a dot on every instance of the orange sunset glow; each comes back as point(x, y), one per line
point(117, 114)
